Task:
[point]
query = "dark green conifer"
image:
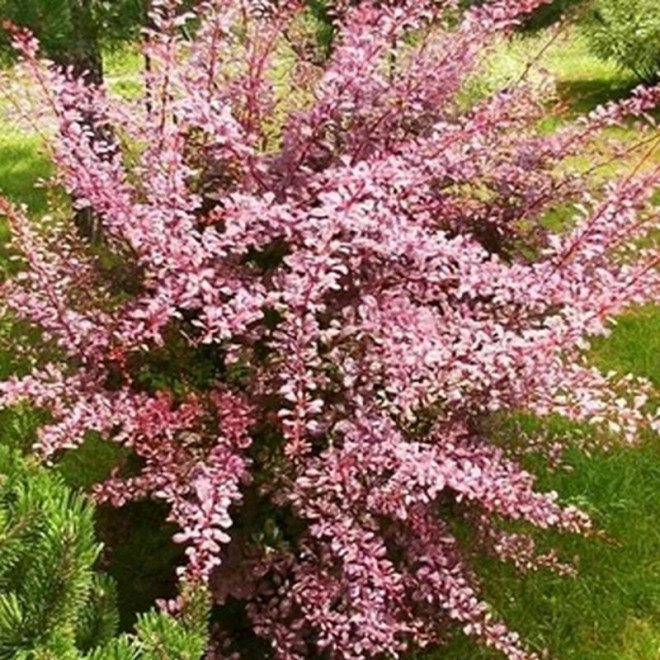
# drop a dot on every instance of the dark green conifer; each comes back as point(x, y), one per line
point(53, 605)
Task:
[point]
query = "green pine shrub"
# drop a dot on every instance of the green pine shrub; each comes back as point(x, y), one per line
point(627, 32)
point(53, 605)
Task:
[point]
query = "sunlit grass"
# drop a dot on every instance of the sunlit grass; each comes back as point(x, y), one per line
point(122, 69)
point(582, 80)
point(21, 166)
point(611, 611)
point(617, 591)
point(634, 345)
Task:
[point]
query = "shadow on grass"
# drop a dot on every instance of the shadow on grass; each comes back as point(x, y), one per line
point(583, 96)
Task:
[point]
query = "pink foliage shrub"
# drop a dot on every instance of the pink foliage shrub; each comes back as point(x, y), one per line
point(317, 280)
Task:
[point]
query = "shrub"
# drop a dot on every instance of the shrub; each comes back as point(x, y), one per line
point(545, 15)
point(52, 603)
point(628, 33)
point(321, 283)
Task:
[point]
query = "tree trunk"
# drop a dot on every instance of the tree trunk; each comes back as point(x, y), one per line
point(85, 57)
point(85, 60)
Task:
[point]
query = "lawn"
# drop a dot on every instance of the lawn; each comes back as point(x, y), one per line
point(612, 610)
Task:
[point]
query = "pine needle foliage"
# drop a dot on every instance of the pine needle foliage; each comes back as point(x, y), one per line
point(53, 605)
point(47, 550)
point(628, 33)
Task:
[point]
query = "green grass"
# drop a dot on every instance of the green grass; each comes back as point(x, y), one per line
point(22, 162)
point(617, 590)
point(122, 68)
point(612, 610)
point(21, 165)
point(634, 345)
point(582, 80)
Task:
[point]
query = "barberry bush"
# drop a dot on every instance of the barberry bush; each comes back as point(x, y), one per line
point(317, 282)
